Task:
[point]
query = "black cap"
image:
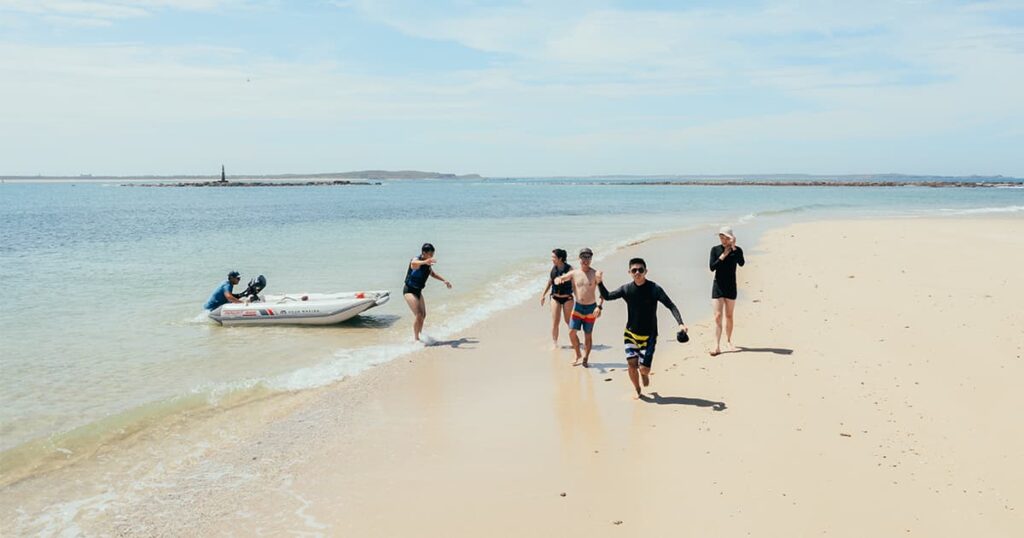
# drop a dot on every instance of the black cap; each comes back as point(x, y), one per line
point(682, 337)
point(234, 274)
point(427, 247)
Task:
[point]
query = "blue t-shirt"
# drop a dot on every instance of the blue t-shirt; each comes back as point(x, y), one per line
point(218, 299)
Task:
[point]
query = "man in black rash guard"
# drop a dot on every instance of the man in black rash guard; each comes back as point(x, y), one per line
point(642, 297)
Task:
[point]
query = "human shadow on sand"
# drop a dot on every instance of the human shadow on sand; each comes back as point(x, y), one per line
point(455, 344)
point(682, 400)
point(605, 367)
point(595, 347)
point(775, 350)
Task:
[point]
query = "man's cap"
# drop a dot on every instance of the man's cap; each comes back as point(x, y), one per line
point(727, 231)
point(427, 247)
point(586, 252)
point(234, 274)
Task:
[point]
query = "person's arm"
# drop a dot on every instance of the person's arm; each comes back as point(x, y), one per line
point(231, 297)
point(416, 263)
point(717, 257)
point(544, 294)
point(739, 256)
point(565, 278)
point(664, 299)
point(610, 295)
point(434, 274)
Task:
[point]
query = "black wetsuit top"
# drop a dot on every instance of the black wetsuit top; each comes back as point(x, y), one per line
point(564, 288)
point(642, 302)
point(725, 271)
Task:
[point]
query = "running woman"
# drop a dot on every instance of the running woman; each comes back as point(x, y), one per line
point(420, 268)
point(561, 294)
point(642, 297)
point(724, 260)
point(586, 310)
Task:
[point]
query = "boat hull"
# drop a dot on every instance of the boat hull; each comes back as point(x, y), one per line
point(300, 309)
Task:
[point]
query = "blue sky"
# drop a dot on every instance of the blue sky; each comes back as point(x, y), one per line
point(511, 88)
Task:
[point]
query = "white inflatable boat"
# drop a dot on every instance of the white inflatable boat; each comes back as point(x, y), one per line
point(299, 308)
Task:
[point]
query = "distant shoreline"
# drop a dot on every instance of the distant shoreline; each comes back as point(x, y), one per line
point(225, 184)
point(816, 183)
point(362, 174)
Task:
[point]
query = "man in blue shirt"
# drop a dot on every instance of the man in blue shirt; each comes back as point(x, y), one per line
point(223, 294)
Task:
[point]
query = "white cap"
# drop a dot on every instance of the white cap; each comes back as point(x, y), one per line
point(727, 231)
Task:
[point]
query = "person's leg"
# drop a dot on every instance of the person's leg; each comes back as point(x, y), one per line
point(574, 339)
point(567, 310)
point(588, 342)
point(575, 325)
point(645, 363)
point(718, 306)
point(556, 315)
point(634, 375)
point(730, 306)
point(419, 312)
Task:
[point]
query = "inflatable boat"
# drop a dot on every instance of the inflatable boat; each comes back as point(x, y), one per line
point(299, 308)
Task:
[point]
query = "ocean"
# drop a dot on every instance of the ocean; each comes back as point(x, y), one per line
point(102, 329)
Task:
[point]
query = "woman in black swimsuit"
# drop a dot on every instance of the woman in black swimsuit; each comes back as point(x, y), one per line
point(561, 294)
point(416, 274)
point(724, 260)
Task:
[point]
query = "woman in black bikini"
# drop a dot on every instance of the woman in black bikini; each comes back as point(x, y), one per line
point(724, 260)
point(561, 294)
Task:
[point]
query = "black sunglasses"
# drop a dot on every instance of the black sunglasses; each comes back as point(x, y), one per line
point(638, 270)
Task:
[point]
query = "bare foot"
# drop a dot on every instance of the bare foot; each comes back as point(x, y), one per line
point(576, 362)
point(585, 359)
point(716, 352)
point(730, 346)
point(639, 395)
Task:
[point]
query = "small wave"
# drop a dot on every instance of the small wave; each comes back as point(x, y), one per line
point(982, 210)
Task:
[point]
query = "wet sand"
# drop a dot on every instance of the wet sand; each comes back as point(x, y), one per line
point(874, 394)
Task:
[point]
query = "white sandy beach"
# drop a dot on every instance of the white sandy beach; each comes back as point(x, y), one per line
point(874, 395)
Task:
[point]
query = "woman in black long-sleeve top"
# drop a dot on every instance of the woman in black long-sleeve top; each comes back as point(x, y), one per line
point(724, 260)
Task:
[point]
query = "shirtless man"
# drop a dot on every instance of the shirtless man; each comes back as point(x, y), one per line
point(586, 310)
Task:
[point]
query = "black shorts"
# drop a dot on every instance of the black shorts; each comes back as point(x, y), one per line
point(418, 292)
point(723, 291)
point(561, 300)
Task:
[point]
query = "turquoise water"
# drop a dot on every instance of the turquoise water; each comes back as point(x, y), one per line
point(104, 284)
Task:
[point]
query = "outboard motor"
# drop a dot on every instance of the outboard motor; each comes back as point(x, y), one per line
point(252, 291)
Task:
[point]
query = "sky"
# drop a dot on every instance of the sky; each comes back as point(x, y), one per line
point(512, 88)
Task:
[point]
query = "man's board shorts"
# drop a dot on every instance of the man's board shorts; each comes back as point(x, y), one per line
point(583, 317)
point(639, 347)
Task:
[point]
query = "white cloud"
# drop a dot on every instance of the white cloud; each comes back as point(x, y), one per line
point(568, 86)
point(80, 12)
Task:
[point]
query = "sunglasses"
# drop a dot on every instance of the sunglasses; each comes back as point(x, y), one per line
point(585, 257)
point(638, 270)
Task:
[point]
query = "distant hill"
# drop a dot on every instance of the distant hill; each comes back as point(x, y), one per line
point(362, 174)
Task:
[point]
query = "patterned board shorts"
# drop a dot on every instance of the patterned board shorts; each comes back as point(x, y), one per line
point(639, 347)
